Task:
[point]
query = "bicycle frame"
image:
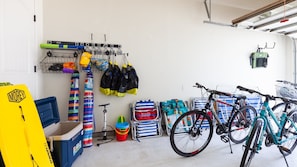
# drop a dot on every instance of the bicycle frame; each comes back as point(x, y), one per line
point(210, 106)
point(267, 127)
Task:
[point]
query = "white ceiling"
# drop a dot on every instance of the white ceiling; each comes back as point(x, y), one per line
point(272, 21)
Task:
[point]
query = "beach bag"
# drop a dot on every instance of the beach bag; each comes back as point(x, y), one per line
point(132, 85)
point(106, 80)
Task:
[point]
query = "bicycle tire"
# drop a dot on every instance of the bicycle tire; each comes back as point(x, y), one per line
point(280, 107)
point(191, 133)
point(241, 123)
point(287, 131)
point(252, 144)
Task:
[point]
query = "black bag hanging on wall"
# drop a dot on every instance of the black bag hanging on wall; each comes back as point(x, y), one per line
point(106, 80)
point(116, 79)
point(124, 82)
point(132, 85)
point(118, 82)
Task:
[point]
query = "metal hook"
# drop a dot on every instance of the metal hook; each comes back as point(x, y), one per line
point(112, 52)
point(119, 51)
point(266, 46)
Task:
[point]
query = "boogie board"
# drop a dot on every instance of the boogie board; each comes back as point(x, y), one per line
point(22, 139)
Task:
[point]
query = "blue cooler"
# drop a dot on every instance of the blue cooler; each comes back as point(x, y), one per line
point(64, 138)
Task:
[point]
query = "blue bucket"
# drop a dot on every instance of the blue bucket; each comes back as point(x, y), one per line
point(122, 125)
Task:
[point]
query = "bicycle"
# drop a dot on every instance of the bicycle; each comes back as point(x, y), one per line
point(193, 130)
point(285, 135)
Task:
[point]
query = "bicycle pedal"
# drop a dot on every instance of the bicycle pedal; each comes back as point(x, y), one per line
point(225, 138)
point(285, 149)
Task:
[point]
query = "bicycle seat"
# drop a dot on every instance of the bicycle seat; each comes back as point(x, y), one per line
point(103, 105)
point(239, 97)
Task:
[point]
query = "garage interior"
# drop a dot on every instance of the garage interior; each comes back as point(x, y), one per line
point(171, 45)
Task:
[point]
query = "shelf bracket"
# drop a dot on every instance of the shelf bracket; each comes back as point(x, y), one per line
point(208, 9)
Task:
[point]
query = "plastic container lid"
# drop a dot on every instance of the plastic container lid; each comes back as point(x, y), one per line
point(48, 111)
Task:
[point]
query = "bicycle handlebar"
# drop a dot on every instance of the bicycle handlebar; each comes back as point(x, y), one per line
point(200, 86)
point(247, 90)
point(287, 82)
point(270, 97)
point(215, 91)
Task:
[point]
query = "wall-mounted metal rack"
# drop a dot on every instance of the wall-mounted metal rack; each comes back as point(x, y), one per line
point(59, 52)
point(85, 44)
point(55, 58)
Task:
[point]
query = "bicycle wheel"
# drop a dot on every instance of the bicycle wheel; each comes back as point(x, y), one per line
point(279, 108)
point(289, 131)
point(241, 123)
point(191, 133)
point(252, 144)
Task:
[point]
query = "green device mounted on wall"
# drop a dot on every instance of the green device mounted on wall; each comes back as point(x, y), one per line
point(259, 59)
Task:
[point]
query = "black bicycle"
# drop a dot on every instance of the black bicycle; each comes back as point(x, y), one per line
point(193, 130)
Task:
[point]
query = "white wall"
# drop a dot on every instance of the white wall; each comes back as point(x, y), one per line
point(290, 59)
point(169, 45)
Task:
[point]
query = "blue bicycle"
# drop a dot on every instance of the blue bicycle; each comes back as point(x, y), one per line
point(285, 136)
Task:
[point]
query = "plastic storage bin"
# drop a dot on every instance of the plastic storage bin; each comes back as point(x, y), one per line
point(64, 138)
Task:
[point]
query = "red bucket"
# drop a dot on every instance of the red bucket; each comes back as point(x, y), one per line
point(122, 134)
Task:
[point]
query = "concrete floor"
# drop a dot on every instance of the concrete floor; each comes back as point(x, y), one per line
point(157, 152)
